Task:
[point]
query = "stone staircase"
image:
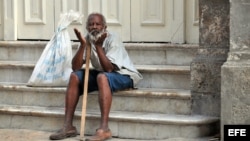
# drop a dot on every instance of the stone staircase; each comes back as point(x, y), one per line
point(160, 108)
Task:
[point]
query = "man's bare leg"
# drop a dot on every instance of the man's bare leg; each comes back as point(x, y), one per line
point(105, 100)
point(71, 100)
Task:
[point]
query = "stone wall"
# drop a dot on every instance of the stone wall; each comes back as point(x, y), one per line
point(235, 75)
point(206, 67)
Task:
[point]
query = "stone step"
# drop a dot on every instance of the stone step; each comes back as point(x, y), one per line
point(140, 53)
point(37, 135)
point(171, 101)
point(154, 76)
point(136, 125)
point(160, 108)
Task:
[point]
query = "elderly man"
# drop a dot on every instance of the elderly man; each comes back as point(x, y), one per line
point(113, 71)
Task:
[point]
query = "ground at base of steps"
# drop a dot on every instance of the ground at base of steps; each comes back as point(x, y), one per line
point(34, 135)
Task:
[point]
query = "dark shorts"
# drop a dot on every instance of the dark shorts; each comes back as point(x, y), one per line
point(116, 81)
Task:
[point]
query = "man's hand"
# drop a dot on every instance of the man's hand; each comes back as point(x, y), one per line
point(80, 37)
point(100, 40)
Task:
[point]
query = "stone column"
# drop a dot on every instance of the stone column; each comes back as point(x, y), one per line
point(206, 67)
point(235, 74)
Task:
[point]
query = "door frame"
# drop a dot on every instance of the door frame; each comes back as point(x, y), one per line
point(9, 20)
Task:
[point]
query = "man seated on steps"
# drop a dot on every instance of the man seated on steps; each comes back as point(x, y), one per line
point(113, 71)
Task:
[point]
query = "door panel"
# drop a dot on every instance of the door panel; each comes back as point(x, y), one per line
point(35, 19)
point(192, 21)
point(1, 19)
point(113, 10)
point(158, 20)
point(63, 6)
point(117, 13)
point(40, 17)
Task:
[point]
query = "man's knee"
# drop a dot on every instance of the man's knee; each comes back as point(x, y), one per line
point(74, 78)
point(101, 77)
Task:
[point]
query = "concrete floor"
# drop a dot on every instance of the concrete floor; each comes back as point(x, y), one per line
point(32, 135)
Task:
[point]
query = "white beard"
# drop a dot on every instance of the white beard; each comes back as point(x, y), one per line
point(94, 38)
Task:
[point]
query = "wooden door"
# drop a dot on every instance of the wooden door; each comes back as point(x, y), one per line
point(35, 19)
point(38, 19)
point(134, 20)
point(115, 11)
point(157, 20)
point(64, 6)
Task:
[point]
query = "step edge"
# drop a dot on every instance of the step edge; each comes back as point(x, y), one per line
point(114, 115)
point(141, 68)
point(160, 46)
point(128, 45)
point(28, 44)
point(140, 92)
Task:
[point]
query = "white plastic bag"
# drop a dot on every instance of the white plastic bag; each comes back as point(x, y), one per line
point(54, 65)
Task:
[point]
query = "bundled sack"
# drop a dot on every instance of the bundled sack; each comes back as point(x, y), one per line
point(54, 65)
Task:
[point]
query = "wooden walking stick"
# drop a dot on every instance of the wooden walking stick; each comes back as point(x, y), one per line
point(85, 90)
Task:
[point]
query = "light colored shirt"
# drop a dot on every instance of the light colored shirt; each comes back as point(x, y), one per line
point(117, 54)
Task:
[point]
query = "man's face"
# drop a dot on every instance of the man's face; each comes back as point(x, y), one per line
point(95, 27)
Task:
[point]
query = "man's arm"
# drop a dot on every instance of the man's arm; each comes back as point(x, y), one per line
point(77, 60)
point(105, 62)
